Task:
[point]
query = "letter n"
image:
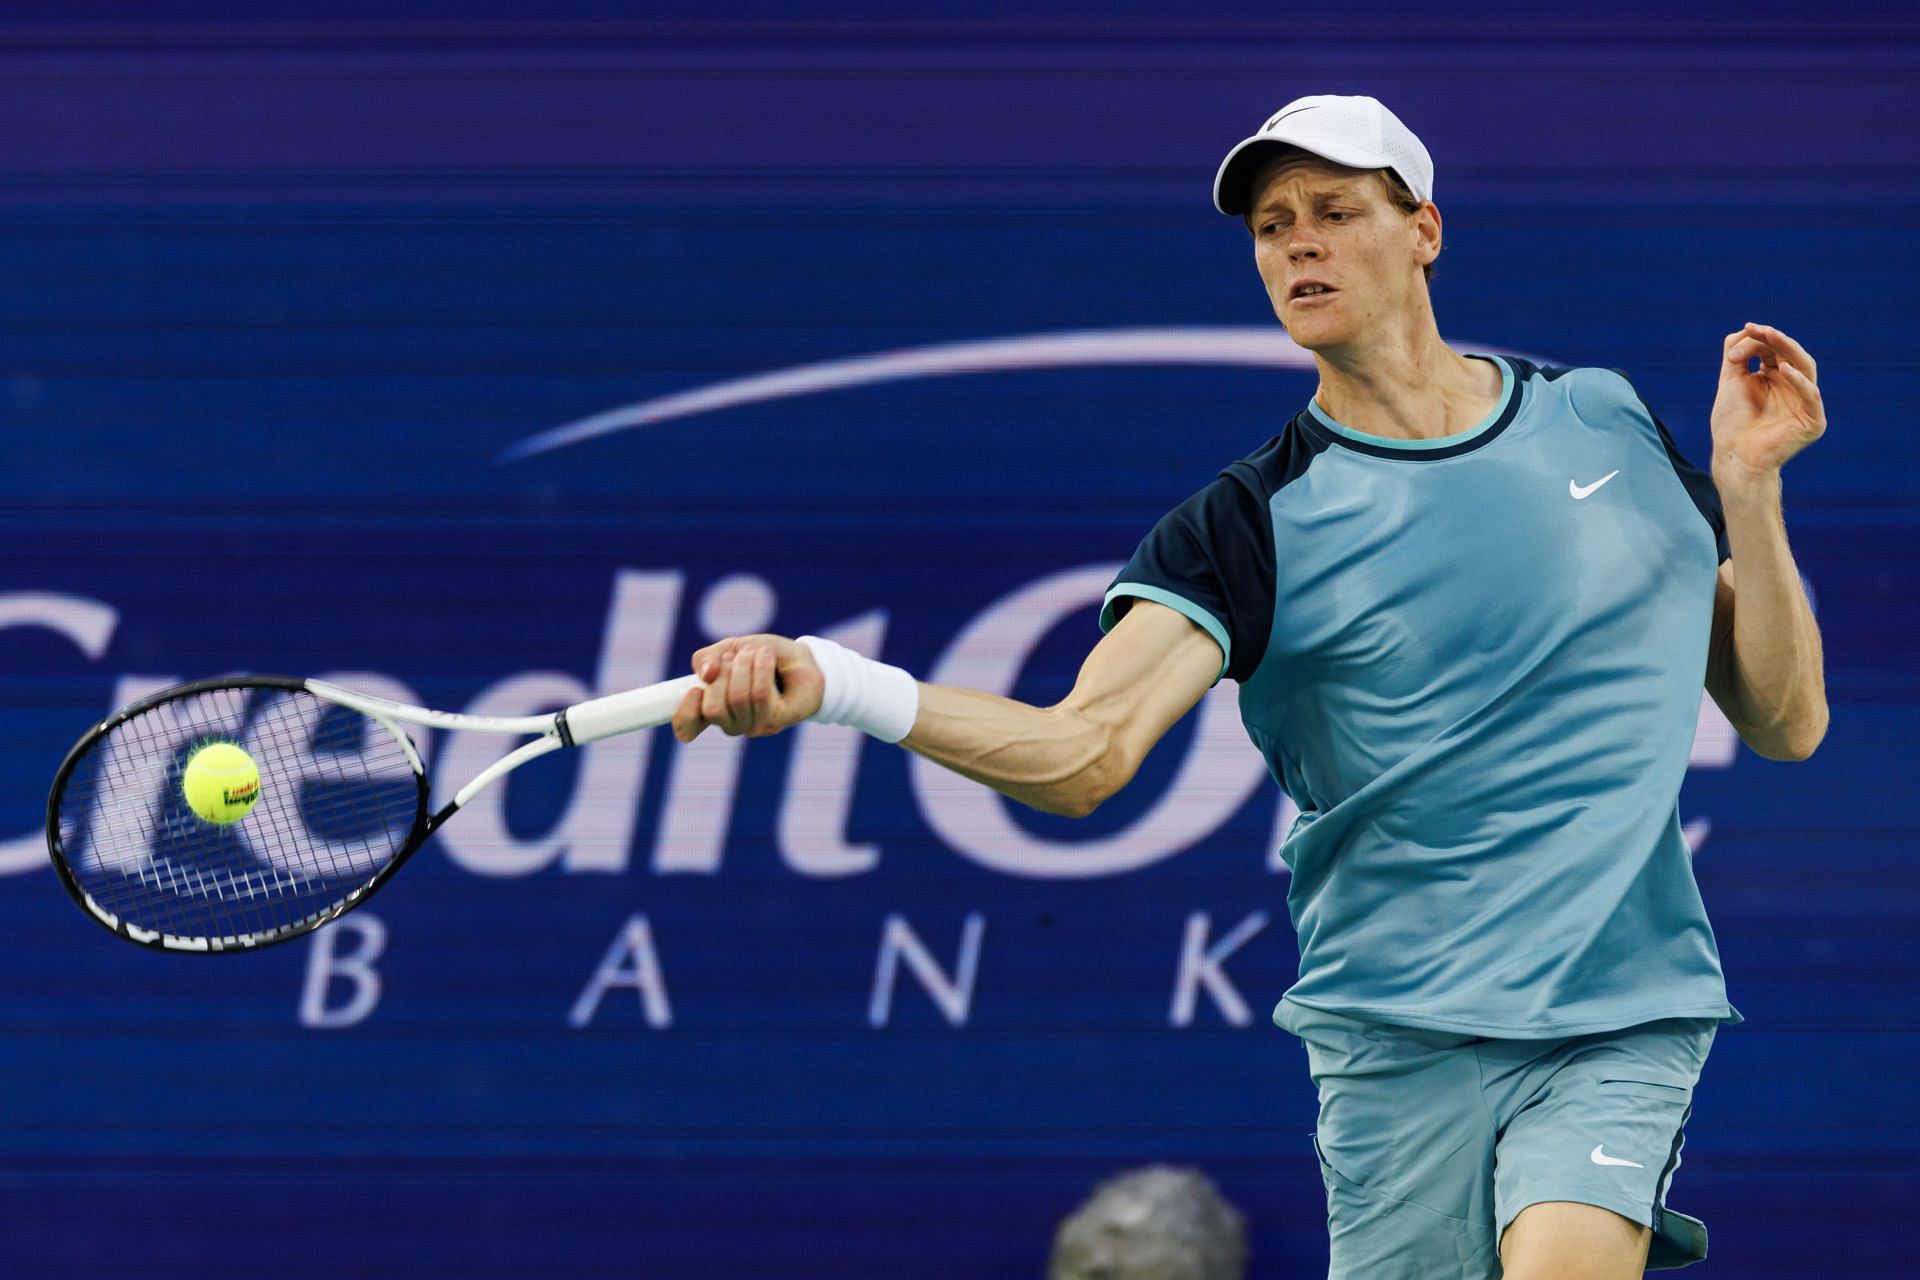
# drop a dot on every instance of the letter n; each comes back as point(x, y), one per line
point(954, 995)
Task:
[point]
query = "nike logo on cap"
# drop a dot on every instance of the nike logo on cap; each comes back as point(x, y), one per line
point(1282, 115)
point(1599, 1157)
point(1581, 491)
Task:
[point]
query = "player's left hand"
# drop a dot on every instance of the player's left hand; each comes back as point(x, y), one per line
point(1762, 417)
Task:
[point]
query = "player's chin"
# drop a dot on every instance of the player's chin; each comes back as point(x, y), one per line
point(1327, 323)
point(1315, 335)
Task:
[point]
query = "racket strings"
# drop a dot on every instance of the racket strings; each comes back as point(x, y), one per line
point(338, 802)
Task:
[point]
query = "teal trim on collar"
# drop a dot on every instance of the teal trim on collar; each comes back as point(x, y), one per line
point(1179, 604)
point(1507, 393)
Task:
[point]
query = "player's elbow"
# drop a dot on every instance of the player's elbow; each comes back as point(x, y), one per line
point(1073, 802)
point(1087, 788)
point(1806, 739)
point(1790, 743)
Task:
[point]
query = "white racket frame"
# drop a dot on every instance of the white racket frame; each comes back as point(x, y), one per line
point(644, 708)
point(577, 725)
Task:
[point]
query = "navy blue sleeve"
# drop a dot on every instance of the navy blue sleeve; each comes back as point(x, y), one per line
point(1699, 485)
point(1212, 559)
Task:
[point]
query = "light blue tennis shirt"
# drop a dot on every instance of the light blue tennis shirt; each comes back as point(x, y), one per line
point(1475, 664)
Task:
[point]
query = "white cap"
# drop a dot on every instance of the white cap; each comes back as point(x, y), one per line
point(1356, 132)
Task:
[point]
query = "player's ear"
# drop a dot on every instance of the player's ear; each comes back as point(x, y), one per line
point(1426, 232)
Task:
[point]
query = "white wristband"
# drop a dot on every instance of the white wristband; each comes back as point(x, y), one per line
point(871, 696)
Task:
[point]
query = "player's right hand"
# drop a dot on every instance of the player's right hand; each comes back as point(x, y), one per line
point(756, 685)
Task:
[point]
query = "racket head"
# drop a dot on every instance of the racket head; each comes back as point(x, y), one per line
point(343, 803)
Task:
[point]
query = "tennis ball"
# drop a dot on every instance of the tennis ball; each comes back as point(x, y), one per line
point(221, 783)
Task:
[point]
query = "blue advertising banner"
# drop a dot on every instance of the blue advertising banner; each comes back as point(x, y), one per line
point(494, 364)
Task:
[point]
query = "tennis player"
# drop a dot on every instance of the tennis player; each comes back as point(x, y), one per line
point(1470, 603)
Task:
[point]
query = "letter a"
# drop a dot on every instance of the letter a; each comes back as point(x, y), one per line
point(635, 943)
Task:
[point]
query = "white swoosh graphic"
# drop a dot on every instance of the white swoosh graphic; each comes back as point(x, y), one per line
point(1582, 490)
point(1599, 1158)
point(1259, 346)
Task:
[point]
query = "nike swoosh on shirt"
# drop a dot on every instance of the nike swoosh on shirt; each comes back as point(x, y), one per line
point(1579, 491)
point(1599, 1158)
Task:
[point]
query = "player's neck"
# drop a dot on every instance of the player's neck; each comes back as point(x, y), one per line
point(1406, 383)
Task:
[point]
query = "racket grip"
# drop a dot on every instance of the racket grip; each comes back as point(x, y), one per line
point(619, 713)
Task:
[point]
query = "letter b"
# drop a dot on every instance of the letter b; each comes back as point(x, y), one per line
point(324, 964)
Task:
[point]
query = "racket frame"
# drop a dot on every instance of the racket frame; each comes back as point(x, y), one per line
point(579, 724)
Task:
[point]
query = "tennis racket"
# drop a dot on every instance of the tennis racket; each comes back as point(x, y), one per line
point(342, 804)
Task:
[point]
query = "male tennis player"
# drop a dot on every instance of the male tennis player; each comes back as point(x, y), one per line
point(1470, 603)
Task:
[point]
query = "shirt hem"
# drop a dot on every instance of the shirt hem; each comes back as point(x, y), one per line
point(1722, 1012)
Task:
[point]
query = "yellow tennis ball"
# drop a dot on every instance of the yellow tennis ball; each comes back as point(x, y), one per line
point(221, 783)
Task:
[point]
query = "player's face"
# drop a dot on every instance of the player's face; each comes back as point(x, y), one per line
point(1316, 223)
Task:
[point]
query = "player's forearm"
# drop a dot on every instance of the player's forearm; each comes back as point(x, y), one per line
point(1777, 682)
point(1055, 759)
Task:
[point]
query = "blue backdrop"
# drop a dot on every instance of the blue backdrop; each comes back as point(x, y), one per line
point(283, 294)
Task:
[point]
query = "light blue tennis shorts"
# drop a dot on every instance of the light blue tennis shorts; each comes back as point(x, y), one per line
point(1431, 1143)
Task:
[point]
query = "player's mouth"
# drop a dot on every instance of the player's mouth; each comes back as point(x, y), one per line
point(1307, 293)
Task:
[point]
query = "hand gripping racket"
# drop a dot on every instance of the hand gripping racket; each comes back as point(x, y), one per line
point(342, 804)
